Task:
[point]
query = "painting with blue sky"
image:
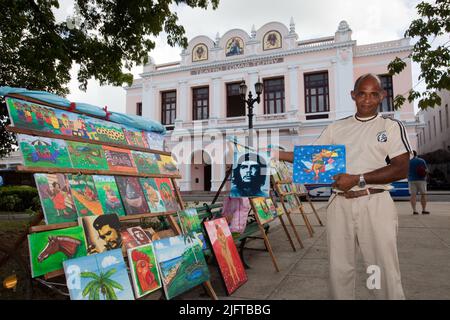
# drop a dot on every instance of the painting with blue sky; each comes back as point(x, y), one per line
point(318, 164)
point(182, 264)
point(100, 276)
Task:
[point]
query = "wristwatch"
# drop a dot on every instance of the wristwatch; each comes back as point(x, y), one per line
point(362, 182)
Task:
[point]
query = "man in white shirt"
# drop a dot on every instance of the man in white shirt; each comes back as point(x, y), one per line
point(361, 212)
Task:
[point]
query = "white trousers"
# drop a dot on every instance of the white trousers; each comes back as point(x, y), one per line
point(370, 223)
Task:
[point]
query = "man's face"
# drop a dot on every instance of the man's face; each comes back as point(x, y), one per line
point(109, 235)
point(138, 234)
point(248, 170)
point(368, 97)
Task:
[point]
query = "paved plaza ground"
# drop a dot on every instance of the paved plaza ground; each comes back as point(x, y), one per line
point(424, 253)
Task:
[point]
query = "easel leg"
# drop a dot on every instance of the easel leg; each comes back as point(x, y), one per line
point(208, 287)
point(269, 247)
point(314, 209)
point(287, 233)
point(294, 229)
point(305, 218)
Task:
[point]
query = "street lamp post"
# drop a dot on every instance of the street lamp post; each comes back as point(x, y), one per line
point(250, 101)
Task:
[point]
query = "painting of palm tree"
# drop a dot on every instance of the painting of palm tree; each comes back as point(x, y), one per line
point(101, 284)
point(101, 276)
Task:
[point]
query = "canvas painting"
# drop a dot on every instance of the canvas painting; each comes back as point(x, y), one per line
point(49, 249)
point(101, 276)
point(167, 165)
point(106, 131)
point(144, 270)
point(87, 156)
point(262, 211)
point(155, 140)
point(133, 197)
point(43, 152)
point(102, 233)
point(152, 195)
point(109, 195)
point(85, 196)
point(271, 206)
point(182, 264)
point(227, 256)
point(250, 176)
point(167, 193)
point(191, 226)
point(318, 164)
point(56, 198)
point(119, 160)
point(146, 162)
point(24, 114)
point(135, 137)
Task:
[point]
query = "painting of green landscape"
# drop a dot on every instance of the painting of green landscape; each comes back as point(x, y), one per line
point(44, 152)
point(146, 162)
point(182, 264)
point(87, 156)
point(109, 195)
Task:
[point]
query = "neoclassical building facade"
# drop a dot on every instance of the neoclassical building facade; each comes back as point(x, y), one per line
point(306, 86)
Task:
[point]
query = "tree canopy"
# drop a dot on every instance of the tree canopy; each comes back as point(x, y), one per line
point(104, 37)
point(434, 63)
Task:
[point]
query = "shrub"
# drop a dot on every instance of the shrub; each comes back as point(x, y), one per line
point(18, 198)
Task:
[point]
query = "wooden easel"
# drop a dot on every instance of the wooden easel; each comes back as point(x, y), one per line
point(283, 198)
point(35, 227)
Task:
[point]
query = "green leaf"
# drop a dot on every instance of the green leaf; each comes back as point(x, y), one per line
point(114, 284)
point(109, 273)
point(87, 274)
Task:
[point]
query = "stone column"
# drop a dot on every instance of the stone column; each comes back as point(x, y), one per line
point(149, 109)
point(293, 88)
point(182, 102)
point(215, 101)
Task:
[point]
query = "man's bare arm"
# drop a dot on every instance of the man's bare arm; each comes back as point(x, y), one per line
point(396, 170)
point(283, 155)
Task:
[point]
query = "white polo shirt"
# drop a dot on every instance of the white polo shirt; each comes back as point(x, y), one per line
point(369, 142)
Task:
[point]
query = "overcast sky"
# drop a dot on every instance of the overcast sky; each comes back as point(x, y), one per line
point(371, 21)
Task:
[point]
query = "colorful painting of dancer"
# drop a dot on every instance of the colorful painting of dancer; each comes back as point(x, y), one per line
point(56, 198)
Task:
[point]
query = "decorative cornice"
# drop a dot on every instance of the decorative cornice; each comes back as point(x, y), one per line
point(218, 64)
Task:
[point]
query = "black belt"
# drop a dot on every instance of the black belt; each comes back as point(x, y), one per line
point(359, 193)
